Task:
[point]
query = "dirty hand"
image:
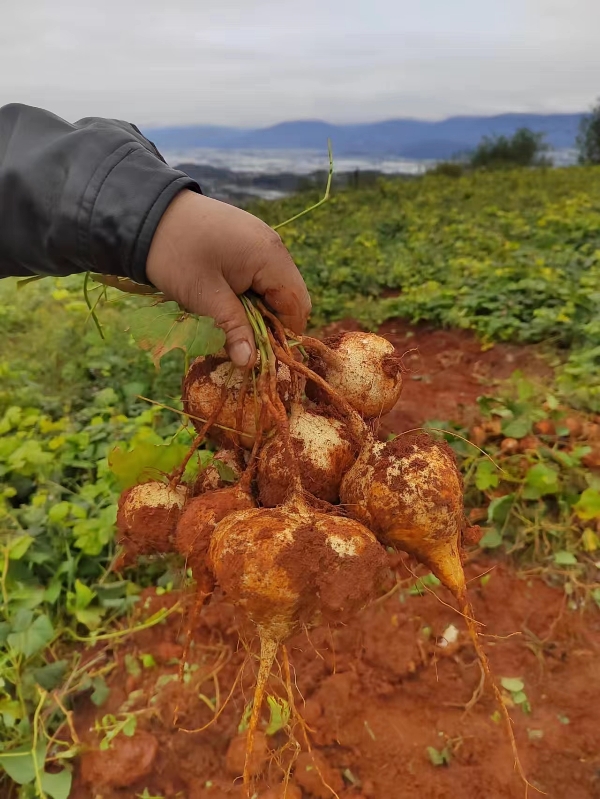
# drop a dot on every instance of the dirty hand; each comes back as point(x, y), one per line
point(205, 252)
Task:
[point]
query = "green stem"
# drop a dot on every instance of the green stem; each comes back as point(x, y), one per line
point(91, 308)
point(36, 767)
point(323, 199)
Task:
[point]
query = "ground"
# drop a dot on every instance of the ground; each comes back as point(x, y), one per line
point(378, 694)
point(385, 696)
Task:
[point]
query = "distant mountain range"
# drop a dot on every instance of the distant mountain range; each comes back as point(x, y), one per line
point(405, 138)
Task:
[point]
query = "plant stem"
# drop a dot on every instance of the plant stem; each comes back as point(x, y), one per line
point(323, 199)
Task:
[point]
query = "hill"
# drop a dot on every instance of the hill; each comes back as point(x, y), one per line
point(408, 138)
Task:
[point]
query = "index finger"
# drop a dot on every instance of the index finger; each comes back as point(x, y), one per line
point(283, 288)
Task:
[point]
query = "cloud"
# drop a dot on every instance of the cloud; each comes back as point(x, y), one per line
point(255, 62)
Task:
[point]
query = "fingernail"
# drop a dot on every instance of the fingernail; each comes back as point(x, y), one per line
point(240, 353)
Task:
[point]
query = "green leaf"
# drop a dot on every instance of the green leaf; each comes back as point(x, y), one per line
point(53, 590)
point(128, 728)
point(19, 546)
point(101, 691)
point(279, 717)
point(78, 605)
point(34, 638)
point(145, 462)
point(486, 475)
point(499, 508)
point(491, 539)
point(245, 720)
point(438, 757)
point(51, 675)
point(423, 583)
point(26, 280)
point(92, 534)
point(19, 763)
point(535, 735)
point(588, 505)
point(165, 327)
point(83, 595)
point(90, 617)
point(516, 428)
point(132, 665)
point(57, 785)
point(541, 480)
point(59, 512)
point(5, 629)
point(513, 685)
point(226, 473)
point(519, 697)
point(563, 558)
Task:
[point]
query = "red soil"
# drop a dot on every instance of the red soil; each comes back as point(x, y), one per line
point(377, 694)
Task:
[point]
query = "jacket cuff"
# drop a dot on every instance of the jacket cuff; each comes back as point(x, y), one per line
point(122, 207)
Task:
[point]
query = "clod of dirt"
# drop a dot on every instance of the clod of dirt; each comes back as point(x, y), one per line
point(365, 369)
point(592, 459)
point(123, 764)
point(545, 427)
point(147, 517)
point(324, 452)
point(236, 755)
point(574, 425)
point(315, 776)
point(478, 435)
point(202, 392)
point(509, 446)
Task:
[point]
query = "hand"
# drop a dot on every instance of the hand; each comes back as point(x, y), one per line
point(205, 252)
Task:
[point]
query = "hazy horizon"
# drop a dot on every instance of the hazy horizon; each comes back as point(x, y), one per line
point(382, 120)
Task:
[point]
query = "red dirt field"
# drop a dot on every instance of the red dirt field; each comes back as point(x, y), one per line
point(377, 693)
point(381, 694)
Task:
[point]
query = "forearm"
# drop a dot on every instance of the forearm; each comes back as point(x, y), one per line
point(79, 197)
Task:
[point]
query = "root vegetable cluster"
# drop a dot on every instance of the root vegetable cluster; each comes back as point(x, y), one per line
point(300, 535)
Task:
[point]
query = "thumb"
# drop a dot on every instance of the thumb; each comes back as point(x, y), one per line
point(218, 300)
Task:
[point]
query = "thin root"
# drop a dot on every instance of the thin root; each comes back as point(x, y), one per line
point(467, 612)
point(358, 427)
point(297, 717)
point(222, 707)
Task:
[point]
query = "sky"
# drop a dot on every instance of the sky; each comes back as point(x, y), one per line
point(252, 63)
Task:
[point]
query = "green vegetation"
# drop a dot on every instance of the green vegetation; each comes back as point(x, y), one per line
point(523, 148)
point(588, 141)
point(67, 399)
point(511, 255)
point(531, 489)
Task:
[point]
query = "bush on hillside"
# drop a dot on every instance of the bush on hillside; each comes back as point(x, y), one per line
point(588, 140)
point(523, 148)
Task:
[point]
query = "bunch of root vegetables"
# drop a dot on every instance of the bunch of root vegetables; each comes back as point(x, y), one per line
point(300, 538)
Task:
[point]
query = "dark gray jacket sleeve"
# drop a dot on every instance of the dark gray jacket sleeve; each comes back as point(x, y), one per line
point(79, 197)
